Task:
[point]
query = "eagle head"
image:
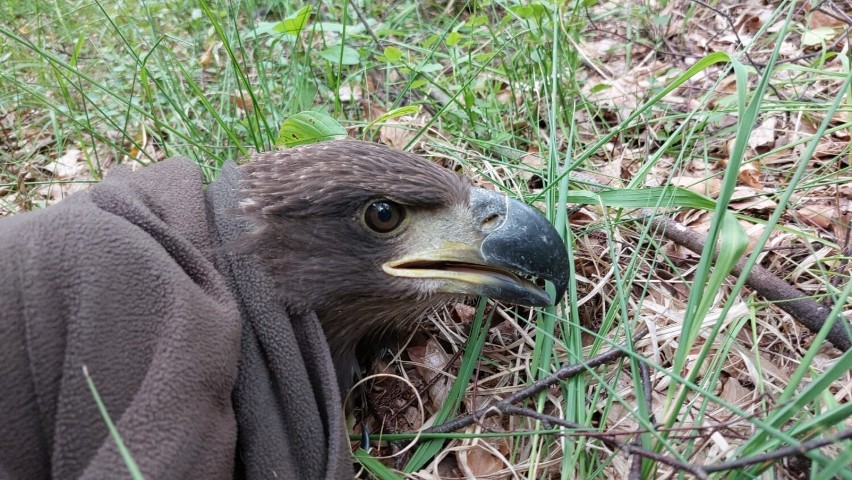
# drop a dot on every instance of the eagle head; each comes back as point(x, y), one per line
point(371, 238)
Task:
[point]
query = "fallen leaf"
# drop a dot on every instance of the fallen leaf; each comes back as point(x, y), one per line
point(350, 92)
point(762, 138)
point(534, 163)
point(207, 58)
point(703, 186)
point(817, 19)
point(818, 36)
point(68, 165)
point(482, 457)
point(243, 101)
point(749, 175)
point(817, 215)
point(747, 198)
point(828, 148)
point(464, 313)
point(431, 361)
point(396, 135)
point(753, 231)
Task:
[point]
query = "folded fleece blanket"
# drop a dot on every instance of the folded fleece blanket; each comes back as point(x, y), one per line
point(201, 368)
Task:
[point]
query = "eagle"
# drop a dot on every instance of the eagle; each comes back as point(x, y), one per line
point(222, 325)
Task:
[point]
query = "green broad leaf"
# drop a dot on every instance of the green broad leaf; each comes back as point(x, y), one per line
point(452, 39)
point(478, 20)
point(393, 54)
point(308, 127)
point(483, 57)
point(348, 56)
point(294, 24)
point(600, 87)
point(429, 41)
point(396, 113)
point(375, 467)
point(531, 11)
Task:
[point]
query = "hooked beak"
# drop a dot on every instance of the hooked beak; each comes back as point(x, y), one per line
point(510, 242)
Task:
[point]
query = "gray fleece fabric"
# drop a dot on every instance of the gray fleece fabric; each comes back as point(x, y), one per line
point(201, 368)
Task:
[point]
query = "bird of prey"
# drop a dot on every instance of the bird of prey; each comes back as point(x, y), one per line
point(220, 325)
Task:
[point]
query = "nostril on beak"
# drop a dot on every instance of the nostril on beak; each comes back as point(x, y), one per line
point(491, 221)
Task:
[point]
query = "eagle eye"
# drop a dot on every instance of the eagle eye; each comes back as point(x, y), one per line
point(384, 216)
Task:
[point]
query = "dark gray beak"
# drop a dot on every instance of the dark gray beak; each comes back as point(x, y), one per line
point(506, 245)
point(523, 241)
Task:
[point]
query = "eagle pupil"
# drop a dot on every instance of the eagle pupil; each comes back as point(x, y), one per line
point(385, 212)
point(383, 216)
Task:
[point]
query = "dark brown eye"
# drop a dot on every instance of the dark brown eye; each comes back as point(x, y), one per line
point(384, 216)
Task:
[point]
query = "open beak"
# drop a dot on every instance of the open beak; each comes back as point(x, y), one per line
point(513, 244)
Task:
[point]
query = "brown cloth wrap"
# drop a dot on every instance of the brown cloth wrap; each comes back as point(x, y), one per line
point(129, 280)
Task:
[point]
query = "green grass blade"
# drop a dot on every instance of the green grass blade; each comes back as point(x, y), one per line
point(478, 333)
point(122, 449)
point(374, 466)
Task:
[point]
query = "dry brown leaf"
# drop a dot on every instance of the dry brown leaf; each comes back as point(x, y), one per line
point(581, 217)
point(207, 58)
point(68, 166)
point(762, 138)
point(753, 232)
point(752, 19)
point(698, 220)
point(829, 148)
point(372, 111)
point(610, 172)
point(481, 462)
point(396, 135)
point(817, 19)
point(481, 458)
point(703, 186)
point(534, 163)
point(749, 175)
point(842, 226)
point(431, 361)
point(350, 92)
point(502, 331)
point(507, 96)
point(242, 100)
point(464, 313)
point(728, 85)
point(624, 90)
point(780, 157)
point(747, 198)
point(817, 215)
point(677, 253)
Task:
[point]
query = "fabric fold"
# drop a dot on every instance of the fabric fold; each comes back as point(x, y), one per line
point(130, 280)
point(286, 398)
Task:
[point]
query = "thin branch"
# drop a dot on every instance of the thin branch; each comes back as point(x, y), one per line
point(783, 452)
point(366, 24)
point(566, 371)
point(808, 312)
point(607, 440)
